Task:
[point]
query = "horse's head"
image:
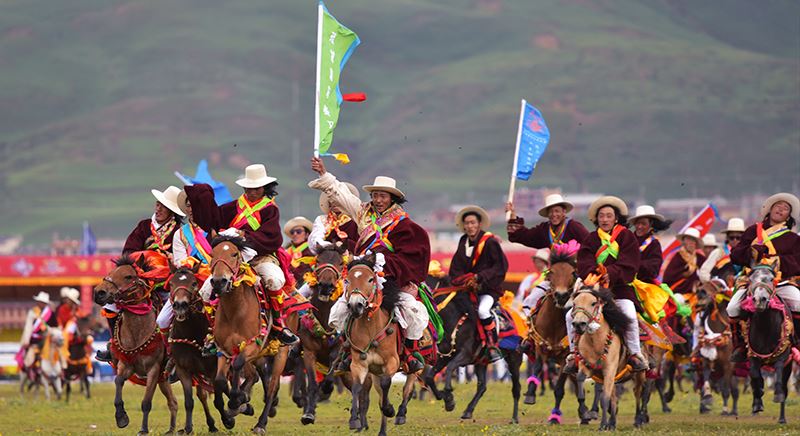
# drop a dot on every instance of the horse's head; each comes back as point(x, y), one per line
point(123, 278)
point(328, 270)
point(562, 274)
point(56, 337)
point(761, 285)
point(226, 258)
point(587, 309)
point(361, 285)
point(184, 291)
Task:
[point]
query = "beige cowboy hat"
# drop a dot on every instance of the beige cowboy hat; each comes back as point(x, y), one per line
point(734, 225)
point(182, 202)
point(646, 211)
point(298, 221)
point(324, 198)
point(793, 201)
point(385, 184)
point(42, 297)
point(255, 176)
point(169, 198)
point(692, 233)
point(64, 291)
point(542, 254)
point(709, 240)
point(74, 295)
point(554, 200)
point(485, 222)
point(607, 200)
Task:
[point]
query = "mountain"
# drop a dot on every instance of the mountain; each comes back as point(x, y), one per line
point(102, 100)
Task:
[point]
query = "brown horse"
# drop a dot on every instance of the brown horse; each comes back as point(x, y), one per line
point(372, 333)
point(714, 347)
point(186, 336)
point(138, 348)
point(79, 347)
point(240, 332)
point(600, 325)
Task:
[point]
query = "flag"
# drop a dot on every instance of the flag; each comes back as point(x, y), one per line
point(202, 175)
point(702, 222)
point(532, 140)
point(335, 44)
point(89, 242)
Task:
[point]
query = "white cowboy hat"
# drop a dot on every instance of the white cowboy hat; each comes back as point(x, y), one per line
point(485, 222)
point(74, 295)
point(554, 200)
point(64, 291)
point(181, 200)
point(646, 211)
point(169, 198)
point(734, 225)
point(324, 199)
point(255, 176)
point(542, 254)
point(42, 297)
point(709, 240)
point(385, 184)
point(607, 200)
point(793, 201)
point(694, 234)
point(298, 221)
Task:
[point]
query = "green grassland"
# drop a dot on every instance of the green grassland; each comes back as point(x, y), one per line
point(102, 100)
point(425, 417)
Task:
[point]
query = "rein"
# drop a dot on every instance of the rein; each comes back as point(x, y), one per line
point(380, 336)
point(126, 296)
point(536, 336)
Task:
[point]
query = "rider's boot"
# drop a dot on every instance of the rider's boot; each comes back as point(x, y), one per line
point(492, 352)
point(415, 360)
point(638, 362)
point(739, 353)
point(570, 364)
point(105, 355)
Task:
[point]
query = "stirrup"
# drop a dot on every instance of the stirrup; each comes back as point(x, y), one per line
point(493, 354)
point(414, 363)
point(637, 363)
point(286, 337)
point(103, 356)
point(570, 365)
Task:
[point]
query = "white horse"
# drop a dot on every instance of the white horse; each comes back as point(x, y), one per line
point(50, 367)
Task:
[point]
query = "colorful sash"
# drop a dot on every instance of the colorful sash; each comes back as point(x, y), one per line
point(690, 259)
point(479, 248)
point(333, 224)
point(297, 255)
point(765, 237)
point(556, 237)
point(379, 228)
point(646, 243)
point(609, 245)
point(247, 213)
point(160, 236)
point(195, 238)
point(40, 323)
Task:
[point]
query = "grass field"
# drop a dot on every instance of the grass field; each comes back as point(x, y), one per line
point(96, 416)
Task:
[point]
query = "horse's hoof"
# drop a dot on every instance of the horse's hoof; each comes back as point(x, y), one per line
point(593, 415)
point(228, 423)
point(212, 429)
point(355, 424)
point(399, 420)
point(514, 421)
point(307, 418)
point(782, 421)
point(466, 415)
point(666, 409)
point(122, 420)
point(779, 398)
point(388, 411)
point(259, 430)
point(529, 399)
point(184, 431)
point(247, 409)
point(704, 410)
point(273, 410)
point(450, 405)
point(585, 421)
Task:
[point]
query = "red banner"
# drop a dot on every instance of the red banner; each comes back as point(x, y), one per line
point(32, 267)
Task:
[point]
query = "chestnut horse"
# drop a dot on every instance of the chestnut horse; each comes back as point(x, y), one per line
point(79, 347)
point(139, 348)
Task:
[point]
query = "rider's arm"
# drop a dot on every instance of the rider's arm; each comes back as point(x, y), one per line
point(624, 269)
point(741, 254)
point(269, 237)
point(534, 237)
point(704, 272)
point(179, 251)
point(316, 239)
point(338, 193)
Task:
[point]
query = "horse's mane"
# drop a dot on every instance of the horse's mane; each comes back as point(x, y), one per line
point(184, 270)
point(129, 260)
point(362, 261)
point(461, 303)
point(391, 295)
point(617, 321)
point(238, 241)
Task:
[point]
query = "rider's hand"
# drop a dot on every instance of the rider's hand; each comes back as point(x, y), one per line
point(318, 166)
point(510, 208)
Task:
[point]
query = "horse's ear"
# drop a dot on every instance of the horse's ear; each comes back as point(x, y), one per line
point(213, 234)
point(371, 258)
point(195, 267)
point(172, 268)
point(340, 247)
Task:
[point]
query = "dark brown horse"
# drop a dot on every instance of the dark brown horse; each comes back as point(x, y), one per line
point(79, 346)
point(139, 348)
point(186, 337)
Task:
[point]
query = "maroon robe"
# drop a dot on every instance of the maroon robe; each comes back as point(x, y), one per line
point(674, 273)
point(787, 247)
point(650, 260)
point(141, 237)
point(301, 269)
point(490, 268)
point(539, 236)
point(412, 253)
point(351, 228)
point(621, 270)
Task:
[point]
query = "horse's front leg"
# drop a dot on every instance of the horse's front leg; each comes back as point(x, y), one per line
point(147, 400)
point(514, 361)
point(480, 389)
point(408, 389)
point(359, 373)
point(462, 358)
point(188, 398)
point(202, 395)
point(120, 415)
point(757, 383)
point(534, 380)
point(705, 389)
point(172, 402)
point(221, 388)
point(310, 412)
point(780, 393)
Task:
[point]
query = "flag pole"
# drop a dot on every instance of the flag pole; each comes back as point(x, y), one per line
point(316, 94)
point(513, 182)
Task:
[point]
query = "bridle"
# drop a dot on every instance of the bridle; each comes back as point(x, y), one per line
point(234, 270)
point(374, 298)
point(593, 316)
point(126, 295)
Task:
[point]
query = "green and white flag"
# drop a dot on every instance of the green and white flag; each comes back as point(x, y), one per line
point(335, 44)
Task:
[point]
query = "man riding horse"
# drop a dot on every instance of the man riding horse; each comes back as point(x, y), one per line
point(37, 322)
point(333, 225)
point(770, 238)
point(681, 272)
point(386, 229)
point(610, 255)
point(156, 235)
point(297, 230)
point(720, 258)
point(480, 265)
point(255, 217)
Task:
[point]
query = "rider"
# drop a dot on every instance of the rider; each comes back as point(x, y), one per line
point(769, 238)
point(558, 229)
point(70, 300)
point(255, 217)
point(39, 318)
point(154, 234)
point(384, 227)
point(298, 229)
point(616, 248)
point(646, 223)
point(333, 225)
point(480, 265)
point(721, 256)
point(681, 272)
point(534, 285)
point(709, 244)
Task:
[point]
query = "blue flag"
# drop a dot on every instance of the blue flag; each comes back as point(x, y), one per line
point(221, 193)
point(533, 139)
point(89, 242)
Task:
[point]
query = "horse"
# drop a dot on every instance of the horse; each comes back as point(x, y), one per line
point(46, 370)
point(768, 334)
point(240, 331)
point(669, 372)
point(186, 337)
point(548, 330)
point(373, 334)
point(79, 359)
point(714, 345)
point(600, 326)
point(461, 346)
point(138, 346)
